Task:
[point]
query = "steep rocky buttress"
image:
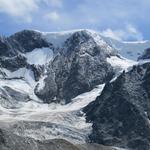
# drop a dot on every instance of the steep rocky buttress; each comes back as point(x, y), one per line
point(121, 114)
point(79, 66)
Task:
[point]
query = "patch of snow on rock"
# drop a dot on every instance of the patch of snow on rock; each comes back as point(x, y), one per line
point(120, 63)
point(39, 56)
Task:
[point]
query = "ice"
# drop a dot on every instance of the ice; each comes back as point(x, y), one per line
point(39, 56)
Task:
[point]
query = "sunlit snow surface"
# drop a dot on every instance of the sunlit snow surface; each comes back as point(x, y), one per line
point(43, 121)
point(39, 56)
point(120, 63)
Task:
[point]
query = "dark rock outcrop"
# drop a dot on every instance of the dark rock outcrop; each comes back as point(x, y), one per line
point(121, 114)
point(146, 54)
point(28, 40)
point(13, 63)
point(24, 41)
point(49, 91)
point(5, 48)
point(37, 70)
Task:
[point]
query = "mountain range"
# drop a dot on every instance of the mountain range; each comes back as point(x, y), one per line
point(73, 90)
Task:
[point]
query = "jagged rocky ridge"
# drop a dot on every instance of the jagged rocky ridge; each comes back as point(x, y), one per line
point(121, 114)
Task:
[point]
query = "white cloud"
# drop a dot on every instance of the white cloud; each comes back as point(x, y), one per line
point(19, 8)
point(129, 33)
point(116, 34)
point(52, 16)
point(54, 3)
point(24, 9)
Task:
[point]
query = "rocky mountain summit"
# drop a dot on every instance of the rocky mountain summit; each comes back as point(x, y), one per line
point(77, 68)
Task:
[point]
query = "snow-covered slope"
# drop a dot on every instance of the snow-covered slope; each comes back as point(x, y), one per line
point(65, 121)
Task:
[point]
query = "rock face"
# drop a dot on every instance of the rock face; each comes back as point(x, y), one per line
point(13, 63)
point(24, 41)
point(28, 40)
point(146, 54)
point(121, 114)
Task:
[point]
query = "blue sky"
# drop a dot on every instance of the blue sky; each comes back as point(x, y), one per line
point(120, 19)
